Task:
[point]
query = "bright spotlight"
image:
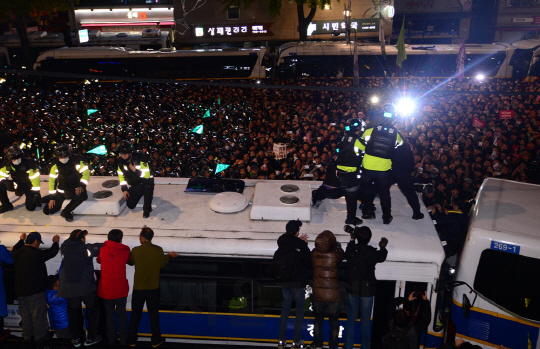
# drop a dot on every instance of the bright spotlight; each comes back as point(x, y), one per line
point(374, 100)
point(480, 77)
point(405, 106)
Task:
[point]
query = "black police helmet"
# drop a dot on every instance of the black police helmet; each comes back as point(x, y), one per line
point(353, 125)
point(124, 147)
point(62, 151)
point(388, 112)
point(14, 152)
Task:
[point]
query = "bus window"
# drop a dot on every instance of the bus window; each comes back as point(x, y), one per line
point(510, 280)
point(220, 285)
point(484, 64)
point(520, 62)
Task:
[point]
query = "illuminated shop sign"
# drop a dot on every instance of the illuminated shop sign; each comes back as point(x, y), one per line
point(327, 27)
point(124, 15)
point(232, 30)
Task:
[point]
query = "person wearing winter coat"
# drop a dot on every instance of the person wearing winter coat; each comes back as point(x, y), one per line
point(5, 258)
point(31, 284)
point(326, 293)
point(78, 285)
point(113, 285)
point(361, 261)
point(58, 309)
point(295, 287)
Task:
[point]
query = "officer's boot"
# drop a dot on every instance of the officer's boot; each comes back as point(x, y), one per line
point(67, 211)
point(148, 197)
point(6, 205)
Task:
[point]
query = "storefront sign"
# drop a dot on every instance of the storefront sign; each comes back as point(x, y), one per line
point(506, 114)
point(262, 29)
point(327, 27)
point(523, 20)
point(123, 16)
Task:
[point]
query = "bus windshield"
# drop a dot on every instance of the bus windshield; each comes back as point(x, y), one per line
point(510, 280)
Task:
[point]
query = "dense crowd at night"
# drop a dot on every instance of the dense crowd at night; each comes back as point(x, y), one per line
point(241, 126)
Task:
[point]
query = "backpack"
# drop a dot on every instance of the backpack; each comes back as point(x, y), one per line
point(283, 264)
point(396, 340)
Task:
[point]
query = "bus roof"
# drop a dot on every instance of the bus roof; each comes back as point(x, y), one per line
point(507, 207)
point(340, 48)
point(121, 52)
point(185, 223)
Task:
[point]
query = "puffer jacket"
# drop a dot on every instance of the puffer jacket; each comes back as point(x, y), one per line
point(302, 267)
point(113, 257)
point(325, 257)
point(58, 310)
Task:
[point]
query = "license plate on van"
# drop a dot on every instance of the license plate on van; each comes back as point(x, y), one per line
point(503, 246)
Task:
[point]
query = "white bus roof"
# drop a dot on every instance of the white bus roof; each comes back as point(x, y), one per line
point(508, 207)
point(121, 52)
point(185, 223)
point(341, 48)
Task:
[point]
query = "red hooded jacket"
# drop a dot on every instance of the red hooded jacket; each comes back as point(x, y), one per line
point(113, 283)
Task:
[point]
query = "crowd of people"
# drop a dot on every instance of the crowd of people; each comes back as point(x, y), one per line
point(51, 305)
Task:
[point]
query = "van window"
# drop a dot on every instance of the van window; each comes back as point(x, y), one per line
point(511, 281)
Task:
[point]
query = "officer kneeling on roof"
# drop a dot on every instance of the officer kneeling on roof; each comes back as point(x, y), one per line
point(24, 174)
point(68, 178)
point(380, 142)
point(134, 170)
point(348, 163)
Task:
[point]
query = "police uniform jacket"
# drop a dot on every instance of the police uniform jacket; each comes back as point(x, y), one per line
point(24, 174)
point(380, 141)
point(73, 174)
point(128, 177)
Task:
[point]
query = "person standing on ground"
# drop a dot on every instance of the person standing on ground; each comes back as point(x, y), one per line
point(31, 284)
point(326, 293)
point(148, 259)
point(113, 285)
point(78, 285)
point(58, 309)
point(5, 258)
point(361, 260)
point(298, 259)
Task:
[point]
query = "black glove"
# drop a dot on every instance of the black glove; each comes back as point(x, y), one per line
point(383, 242)
point(37, 199)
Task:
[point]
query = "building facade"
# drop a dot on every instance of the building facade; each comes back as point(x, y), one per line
point(518, 20)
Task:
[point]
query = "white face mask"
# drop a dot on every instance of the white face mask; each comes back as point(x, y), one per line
point(16, 162)
point(64, 161)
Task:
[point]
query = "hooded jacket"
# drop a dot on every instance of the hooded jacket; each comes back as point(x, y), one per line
point(77, 273)
point(325, 257)
point(361, 260)
point(113, 283)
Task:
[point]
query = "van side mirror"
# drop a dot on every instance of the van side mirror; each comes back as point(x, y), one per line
point(466, 306)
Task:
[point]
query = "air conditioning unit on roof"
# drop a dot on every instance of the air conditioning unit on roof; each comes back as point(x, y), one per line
point(150, 33)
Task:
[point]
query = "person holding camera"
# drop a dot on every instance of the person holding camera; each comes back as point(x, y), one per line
point(361, 261)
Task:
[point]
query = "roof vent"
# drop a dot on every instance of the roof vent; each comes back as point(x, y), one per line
point(228, 202)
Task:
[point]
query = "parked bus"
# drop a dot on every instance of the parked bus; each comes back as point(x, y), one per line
point(245, 63)
point(331, 59)
point(43, 41)
point(497, 295)
point(221, 288)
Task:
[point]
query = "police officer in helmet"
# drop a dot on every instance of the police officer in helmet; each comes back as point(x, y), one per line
point(380, 142)
point(136, 177)
point(68, 178)
point(348, 162)
point(24, 174)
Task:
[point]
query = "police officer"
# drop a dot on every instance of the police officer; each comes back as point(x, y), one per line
point(402, 169)
point(68, 178)
point(134, 170)
point(24, 179)
point(348, 163)
point(380, 142)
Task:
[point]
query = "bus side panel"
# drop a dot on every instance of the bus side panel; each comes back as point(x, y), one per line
point(493, 329)
point(239, 327)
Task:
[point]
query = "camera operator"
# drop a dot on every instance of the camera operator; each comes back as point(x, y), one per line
point(361, 261)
